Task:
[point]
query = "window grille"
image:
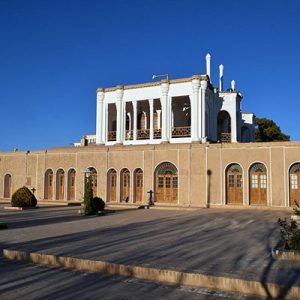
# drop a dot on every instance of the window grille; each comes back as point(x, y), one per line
point(294, 182)
point(254, 181)
point(166, 168)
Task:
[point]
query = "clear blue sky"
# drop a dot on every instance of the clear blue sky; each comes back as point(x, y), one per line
point(54, 54)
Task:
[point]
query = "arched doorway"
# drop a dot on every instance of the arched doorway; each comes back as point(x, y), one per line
point(112, 185)
point(7, 186)
point(71, 184)
point(125, 186)
point(60, 184)
point(48, 185)
point(138, 185)
point(234, 184)
point(224, 127)
point(258, 184)
point(166, 183)
point(294, 184)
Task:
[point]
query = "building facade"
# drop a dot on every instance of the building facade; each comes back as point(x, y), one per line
point(186, 110)
point(185, 175)
point(183, 139)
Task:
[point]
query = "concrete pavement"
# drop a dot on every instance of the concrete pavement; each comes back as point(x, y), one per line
point(220, 242)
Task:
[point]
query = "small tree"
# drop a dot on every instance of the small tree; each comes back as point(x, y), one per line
point(88, 197)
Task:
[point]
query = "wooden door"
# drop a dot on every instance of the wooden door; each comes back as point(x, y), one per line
point(234, 186)
point(7, 186)
point(125, 188)
point(113, 186)
point(94, 183)
point(166, 188)
point(61, 186)
point(258, 187)
point(294, 187)
point(139, 186)
point(50, 185)
point(72, 185)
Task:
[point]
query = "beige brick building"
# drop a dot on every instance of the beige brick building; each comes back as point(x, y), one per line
point(189, 175)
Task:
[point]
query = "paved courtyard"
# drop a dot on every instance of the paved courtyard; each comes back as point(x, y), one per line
point(222, 242)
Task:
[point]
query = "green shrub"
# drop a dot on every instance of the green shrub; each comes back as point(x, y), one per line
point(290, 233)
point(23, 197)
point(98, 204)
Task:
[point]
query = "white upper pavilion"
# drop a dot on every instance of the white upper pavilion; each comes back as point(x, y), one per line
point(173, 111)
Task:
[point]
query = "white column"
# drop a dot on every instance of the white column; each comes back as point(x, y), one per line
point(203, 107)
point(120, 115)
point(100, 117)
point(158, 118)
point(194, 109)
point(208, 59)
point(124, 122)
point(221, 74)
point(134, 104)
point(233, 127)
point(151, 118)
point(104, 122)
point(165, 111)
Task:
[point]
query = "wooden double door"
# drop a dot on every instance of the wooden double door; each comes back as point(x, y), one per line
point(71, 185)
point(139, 181)
point(125, 186)
point(234, 185)
point(60, 185)
point(294, 184)
point(167, 188)
point(94, 183)
point(49, 185)
point(258, 185)
point(112, 186)
point(7, 186)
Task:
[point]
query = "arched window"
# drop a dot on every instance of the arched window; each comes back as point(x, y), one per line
point(234, 184)
point(111, 186)
point(166, 183)
point(48, 185)
point(125, 186)
point(258, 184)
point(294, 184)
point(7, 186)
point(71, 184)
point(138, 185)
point(60, 184)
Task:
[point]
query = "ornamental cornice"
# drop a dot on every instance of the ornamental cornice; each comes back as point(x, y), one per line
point(156, 83)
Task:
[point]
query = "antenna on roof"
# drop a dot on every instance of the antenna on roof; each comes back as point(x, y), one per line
point(162, 75)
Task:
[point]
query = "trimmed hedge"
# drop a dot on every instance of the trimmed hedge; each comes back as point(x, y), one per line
point(23, 197)
point(98, 204)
